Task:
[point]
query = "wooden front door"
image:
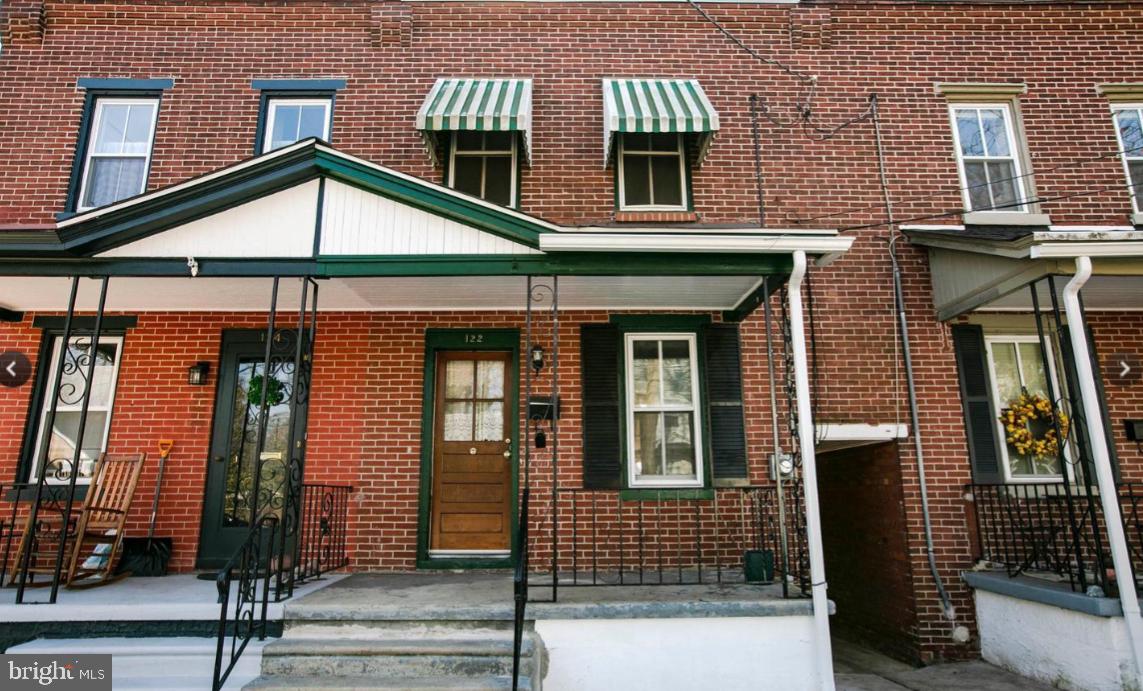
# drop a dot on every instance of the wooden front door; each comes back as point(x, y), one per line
point(472, 454)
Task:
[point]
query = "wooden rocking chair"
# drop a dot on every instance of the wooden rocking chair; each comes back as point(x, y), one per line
point(99, 533)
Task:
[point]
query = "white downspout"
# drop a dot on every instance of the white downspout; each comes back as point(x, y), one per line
point(1101, 459)
point(822, 647)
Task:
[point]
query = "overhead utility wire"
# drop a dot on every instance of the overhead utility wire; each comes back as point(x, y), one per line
point(804, 109)
point(998, 207)
point(948, 188)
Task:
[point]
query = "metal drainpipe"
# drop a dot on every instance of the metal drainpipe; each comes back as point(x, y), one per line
point(1108, 495)
point(822, 647)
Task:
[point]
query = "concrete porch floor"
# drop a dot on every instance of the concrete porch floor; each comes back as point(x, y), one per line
point(489, 596)
point(857, 668)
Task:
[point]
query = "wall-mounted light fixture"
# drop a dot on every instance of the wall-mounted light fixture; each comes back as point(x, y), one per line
point(537, 358)
point(196, 373)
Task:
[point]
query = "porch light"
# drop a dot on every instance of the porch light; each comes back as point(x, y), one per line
point(196, 373)
point(537, 358)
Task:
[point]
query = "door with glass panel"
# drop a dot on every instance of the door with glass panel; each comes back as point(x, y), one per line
point(230, 484)
point(472, 455)
point(1019, 379)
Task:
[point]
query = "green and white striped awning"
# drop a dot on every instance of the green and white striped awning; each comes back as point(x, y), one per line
point(657, 105)
point(472, 103)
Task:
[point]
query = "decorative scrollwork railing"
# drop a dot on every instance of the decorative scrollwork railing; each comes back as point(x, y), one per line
point(243, 611)
point(323, 539)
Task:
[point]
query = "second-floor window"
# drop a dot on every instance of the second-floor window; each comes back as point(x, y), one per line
point(1129, 125)
point(484, 164)
point(290, 120)
point(652, 172)
point(118, 154)
point(988, 157)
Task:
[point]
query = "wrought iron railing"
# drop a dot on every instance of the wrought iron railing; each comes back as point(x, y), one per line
point(243, 611)
point(681, 537)
point(1050, 527)
point(323, 539)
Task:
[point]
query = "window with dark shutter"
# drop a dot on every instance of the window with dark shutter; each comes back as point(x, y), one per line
point(976, 399)
point(599, 367)
point(724, 406)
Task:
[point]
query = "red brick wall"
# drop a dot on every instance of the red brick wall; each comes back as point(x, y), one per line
point(391, 53)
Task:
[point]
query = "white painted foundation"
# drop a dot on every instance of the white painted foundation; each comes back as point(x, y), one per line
point(1062, 647)
point(683, 654)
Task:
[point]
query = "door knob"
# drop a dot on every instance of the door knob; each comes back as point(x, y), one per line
point(507, 454)
point(507, 441)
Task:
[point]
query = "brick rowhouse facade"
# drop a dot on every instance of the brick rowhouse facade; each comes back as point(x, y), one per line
point(365, 420)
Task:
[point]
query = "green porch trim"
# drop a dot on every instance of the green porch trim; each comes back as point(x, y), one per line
point(665, 494)
point(660, 322)
point(561, 264)
point(461, 338)
point(754, 300)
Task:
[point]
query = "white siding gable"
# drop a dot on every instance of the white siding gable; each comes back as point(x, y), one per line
point(277, 225)
point(357, 222)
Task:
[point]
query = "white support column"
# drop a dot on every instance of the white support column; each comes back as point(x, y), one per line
point(1101, 460)
point(822, 646)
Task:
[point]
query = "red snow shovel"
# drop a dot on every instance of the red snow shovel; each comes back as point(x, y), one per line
point(149, 556)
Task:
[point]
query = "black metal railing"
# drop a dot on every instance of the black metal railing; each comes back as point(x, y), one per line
point(681, 537)
point(1050, 527)
point(323, 539)
point(520, 587)
point(243, 611)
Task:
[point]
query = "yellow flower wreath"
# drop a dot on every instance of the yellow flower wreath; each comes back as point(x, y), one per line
point(1018, 419)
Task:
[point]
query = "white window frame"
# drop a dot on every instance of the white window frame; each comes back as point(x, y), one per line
point(92, 135)
point(46, 406)
point(679, 151)
point(272, 111)
point(999, 405)
point(633, 479)
point(1136, 199)
point(512, 150)
point(1015, 148)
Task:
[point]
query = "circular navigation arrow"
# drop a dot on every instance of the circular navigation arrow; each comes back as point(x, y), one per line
point(1123, 368)
point(14, 369)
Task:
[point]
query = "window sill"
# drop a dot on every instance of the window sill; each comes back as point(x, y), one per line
point(656, 216)
point(1006, 218)
point(665, 493)
point(1137, 219)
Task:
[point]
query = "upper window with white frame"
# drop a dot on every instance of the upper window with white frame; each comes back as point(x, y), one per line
point(485, 165)
point(118, 155)
point(988, 157)
point(652, 172)
point(1129, 127)
point(56, 450)
point(1016, 366)
point(664, 438)
point(290, 120)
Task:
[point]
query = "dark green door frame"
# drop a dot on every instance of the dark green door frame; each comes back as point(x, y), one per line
point(436, 341)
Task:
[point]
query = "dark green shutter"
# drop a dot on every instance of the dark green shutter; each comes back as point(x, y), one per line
point(724, 410)
point(1074, 394)
point(599, 368)
point(976, 399)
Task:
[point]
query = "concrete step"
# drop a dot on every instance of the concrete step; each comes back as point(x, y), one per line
point(174, 663)
point(376, 683)
point(316, 626)
point(398, 658)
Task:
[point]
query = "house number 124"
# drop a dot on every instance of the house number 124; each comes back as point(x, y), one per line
point(474, 338)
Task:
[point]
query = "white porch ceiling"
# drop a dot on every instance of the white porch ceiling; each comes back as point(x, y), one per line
point(31, 294)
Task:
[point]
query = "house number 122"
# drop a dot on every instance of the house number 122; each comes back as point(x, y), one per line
point(474, 338)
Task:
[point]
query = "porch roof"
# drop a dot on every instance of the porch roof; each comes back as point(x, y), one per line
point(310, 210)
point(990, 268)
